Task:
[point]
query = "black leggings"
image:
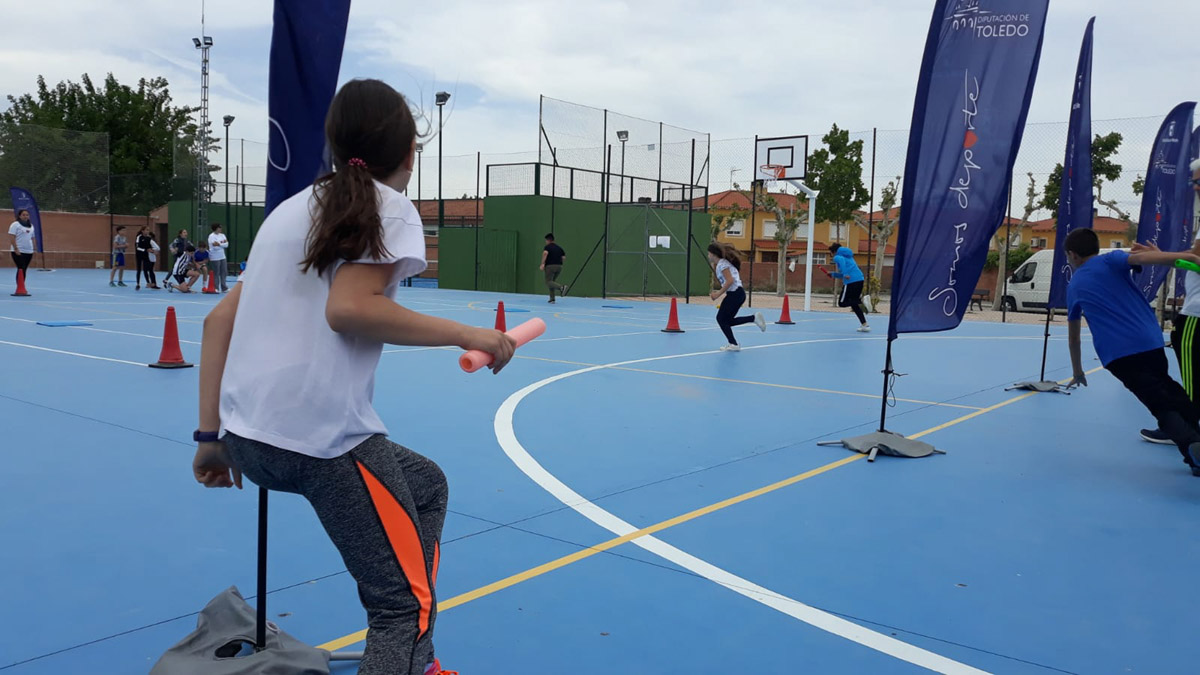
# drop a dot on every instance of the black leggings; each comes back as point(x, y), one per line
point(145, 267)
point(852, 298)
point(21, 260)
point(727, 316)
point(1147, 377)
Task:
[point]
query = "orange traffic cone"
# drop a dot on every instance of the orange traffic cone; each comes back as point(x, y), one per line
point(500, 323)
point(673, 320)
point(785, 317)
point(171, 356)
point(211, 288)
point(21, 292)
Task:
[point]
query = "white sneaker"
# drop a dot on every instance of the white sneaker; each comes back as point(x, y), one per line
point(760, 322)
point(731, 348)
point(864, 328)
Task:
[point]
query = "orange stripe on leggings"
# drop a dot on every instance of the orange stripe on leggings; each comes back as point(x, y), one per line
point(406, 543)
point(437, 559)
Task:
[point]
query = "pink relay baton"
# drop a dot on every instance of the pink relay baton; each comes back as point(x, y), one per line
point(475, 359)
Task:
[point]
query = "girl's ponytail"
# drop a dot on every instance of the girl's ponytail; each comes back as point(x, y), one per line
point(731, 254)
point(370, 131)
point(347, 226)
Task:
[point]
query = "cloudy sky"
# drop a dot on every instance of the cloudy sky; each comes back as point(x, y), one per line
point(731, 69)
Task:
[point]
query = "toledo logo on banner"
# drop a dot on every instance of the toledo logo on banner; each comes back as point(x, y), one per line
point(972, 98)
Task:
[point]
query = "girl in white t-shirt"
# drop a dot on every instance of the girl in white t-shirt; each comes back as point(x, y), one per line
point(288, 365)
point(728, 263)
point(21, 248)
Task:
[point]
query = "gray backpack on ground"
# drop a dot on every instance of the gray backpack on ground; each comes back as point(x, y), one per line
point(223, 644)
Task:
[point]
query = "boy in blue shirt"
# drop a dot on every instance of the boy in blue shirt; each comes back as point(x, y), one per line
point(1126, 333)
point(852, 283)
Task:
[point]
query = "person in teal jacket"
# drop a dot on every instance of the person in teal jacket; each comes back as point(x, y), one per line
point(852, 283)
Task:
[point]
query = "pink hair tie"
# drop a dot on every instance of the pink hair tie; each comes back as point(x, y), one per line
point(354, 161)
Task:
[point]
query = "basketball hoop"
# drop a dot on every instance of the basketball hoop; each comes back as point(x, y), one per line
point(774, 170)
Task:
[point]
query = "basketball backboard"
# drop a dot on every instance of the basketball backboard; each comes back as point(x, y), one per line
point(789, 152)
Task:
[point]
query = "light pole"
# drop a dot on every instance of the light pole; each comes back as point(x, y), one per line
point(228, 120)
point(732, 170)
point(203, 43)
point(420, 149)
point(440, 100)
point(623, 136)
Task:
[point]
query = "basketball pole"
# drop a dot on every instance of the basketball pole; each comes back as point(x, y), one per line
point(808, 256)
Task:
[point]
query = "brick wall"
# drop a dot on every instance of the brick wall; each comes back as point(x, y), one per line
point(81, 240)
point(765, 277)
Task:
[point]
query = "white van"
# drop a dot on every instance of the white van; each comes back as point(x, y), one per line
point(1029, 286)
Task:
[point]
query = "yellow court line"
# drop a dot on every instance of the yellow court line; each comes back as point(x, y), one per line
point(795, 387)
point(575, 557)
point(559, 563)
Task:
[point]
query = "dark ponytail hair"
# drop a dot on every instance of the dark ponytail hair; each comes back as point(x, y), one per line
point(727, 252)
point(370, 132)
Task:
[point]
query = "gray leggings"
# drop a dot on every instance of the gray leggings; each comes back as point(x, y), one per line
point(220, 268)
point(383, 506)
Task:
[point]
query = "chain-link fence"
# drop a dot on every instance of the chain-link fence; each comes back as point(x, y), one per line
point(643, 155)
point(65, 170)
point(1043, 147)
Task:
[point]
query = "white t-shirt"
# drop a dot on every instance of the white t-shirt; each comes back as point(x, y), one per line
point(289, 380)
point(216, 246)
point(153, 248)
point(24, 237)
point(723, 265)
point(1191, 292)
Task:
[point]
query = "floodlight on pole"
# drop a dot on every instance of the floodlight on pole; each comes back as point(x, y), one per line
point(420, 149)
point(623, 136)
point(440, 99)
point(228, 119)
point(203, 43)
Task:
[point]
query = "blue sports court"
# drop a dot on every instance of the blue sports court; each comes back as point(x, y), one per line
point(622, 500)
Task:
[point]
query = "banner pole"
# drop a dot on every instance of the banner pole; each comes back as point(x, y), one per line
point(1046, 343)
point(887, 374)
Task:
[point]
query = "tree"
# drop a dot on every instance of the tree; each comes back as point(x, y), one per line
point(786, 224)
point(836, 172)
point(1131, 225)
point(722, 222)
point(42, 146)
point(1103, 169)
point(881, 230)
point(1015, 258)
point(1002, 241)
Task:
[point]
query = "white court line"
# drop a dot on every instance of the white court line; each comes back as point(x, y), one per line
point(96, 302)
point(148, 318)
point(417, 349)
point(59, 351)
point(121, 332)
point(539, 340)
point(139, 299)
point(505, 435)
